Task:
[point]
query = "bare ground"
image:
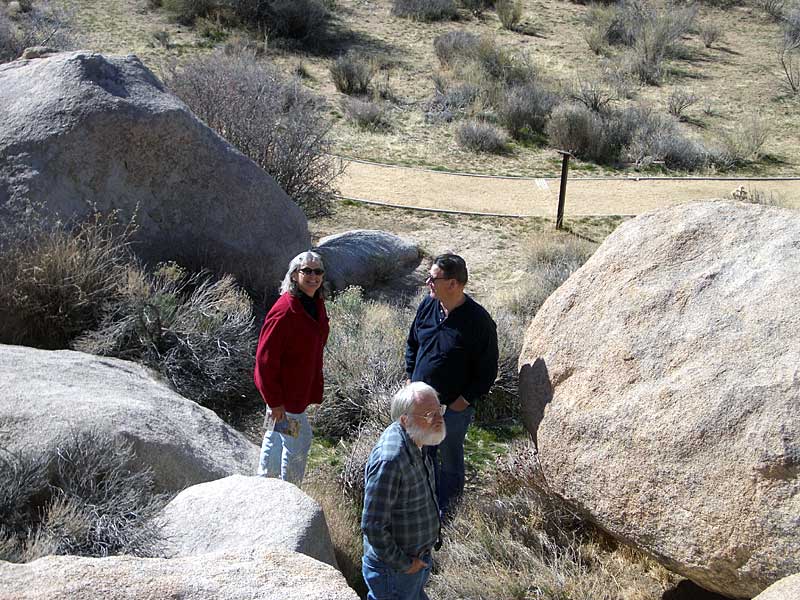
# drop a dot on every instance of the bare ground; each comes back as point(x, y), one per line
point(539, 197)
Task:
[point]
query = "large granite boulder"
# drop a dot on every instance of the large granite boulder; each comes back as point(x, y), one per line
point(787, 588)
point(80, 131)
point(246, 574)
point(47, 395)
point(367, 258)
point(662, 385)
point(242, 511)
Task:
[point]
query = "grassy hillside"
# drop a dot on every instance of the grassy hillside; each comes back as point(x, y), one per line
point(736, 84)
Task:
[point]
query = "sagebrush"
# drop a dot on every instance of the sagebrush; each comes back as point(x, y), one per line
point(268, 117)
point(84, 496)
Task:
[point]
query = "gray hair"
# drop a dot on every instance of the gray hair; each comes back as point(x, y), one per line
point(288, 284)
point(404, 399)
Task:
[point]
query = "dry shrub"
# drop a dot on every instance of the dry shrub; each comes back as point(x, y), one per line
point(586, 133)
point(455, 46)
point(369, 116)
point(551, 259)
point(450, 99)
point(55, 278)
point(656, 139)
point(652, 33)
point(425, 10)
point(364, 363)
point(635, 134)
point(753, 195)
point(788, 52)
point(710, 33)
point(481, 137)
point(197, 331)
point(39, 23)
point(518, 540)
point(593, 94)
point(525, 108)
point(509, 12)
point(774, 8)
point(744, 144)
point(352, 74)
point(84, 497)
point(679, 100)
point(269, 118)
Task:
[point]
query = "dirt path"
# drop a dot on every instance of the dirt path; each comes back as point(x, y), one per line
point(410, 187)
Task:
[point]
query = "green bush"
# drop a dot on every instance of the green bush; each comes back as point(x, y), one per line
point(481, 137)
point(352, 74)
point(196, 331)
point(269, 118)
point(425, 10)
point(84, 497)
point(55, 278)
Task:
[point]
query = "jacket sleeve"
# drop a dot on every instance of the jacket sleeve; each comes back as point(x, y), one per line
point(269, 352)
point(381, 489)
point(412, 346)
point(484, 362)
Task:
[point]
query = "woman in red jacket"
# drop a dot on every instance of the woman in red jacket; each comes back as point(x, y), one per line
point(288, 369)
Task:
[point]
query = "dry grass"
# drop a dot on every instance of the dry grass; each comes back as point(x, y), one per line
point(516, 541)
point(736, 76)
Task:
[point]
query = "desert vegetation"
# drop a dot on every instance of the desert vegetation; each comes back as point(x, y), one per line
point(271, 118)
point(86, 498)
point(32, 23)
point(79, 285)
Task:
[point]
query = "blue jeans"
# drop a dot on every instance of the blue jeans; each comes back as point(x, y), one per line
point(285, 456)
point(386, 583)
point(448, 457)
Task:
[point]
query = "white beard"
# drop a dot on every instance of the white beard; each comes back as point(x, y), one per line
point(425, 438)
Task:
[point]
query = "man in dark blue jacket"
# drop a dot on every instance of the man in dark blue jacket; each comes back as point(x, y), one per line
point(452, 346)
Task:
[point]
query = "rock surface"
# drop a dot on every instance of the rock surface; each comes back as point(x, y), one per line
point(248, 574)
point(662, 383)
point(787, 588)
point(367, 258)
point(80, 130)
point(45, 395)
point(242, 511)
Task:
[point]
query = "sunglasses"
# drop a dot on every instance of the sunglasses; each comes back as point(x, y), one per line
point(431, 278)
point(309, 271)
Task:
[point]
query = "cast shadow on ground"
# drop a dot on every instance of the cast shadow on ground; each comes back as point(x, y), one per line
point(688, 590)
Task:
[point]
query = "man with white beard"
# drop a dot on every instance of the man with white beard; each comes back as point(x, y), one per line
point(400, 521)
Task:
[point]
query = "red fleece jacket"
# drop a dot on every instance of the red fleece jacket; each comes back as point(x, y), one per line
point(288, 369)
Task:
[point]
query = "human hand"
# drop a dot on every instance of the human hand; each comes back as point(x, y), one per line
point(416, 566)
point(458, 404)
point(277, 412)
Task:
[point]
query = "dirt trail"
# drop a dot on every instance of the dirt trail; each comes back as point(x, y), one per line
point(404, 186)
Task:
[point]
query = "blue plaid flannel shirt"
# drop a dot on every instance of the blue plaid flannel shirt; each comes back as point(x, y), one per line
point(401, 516)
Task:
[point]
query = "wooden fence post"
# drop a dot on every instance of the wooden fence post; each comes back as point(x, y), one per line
point(562, 192)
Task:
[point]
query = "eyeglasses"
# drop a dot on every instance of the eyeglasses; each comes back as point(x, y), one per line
point(309, 271)
point(430, 417)
point(431, 278)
